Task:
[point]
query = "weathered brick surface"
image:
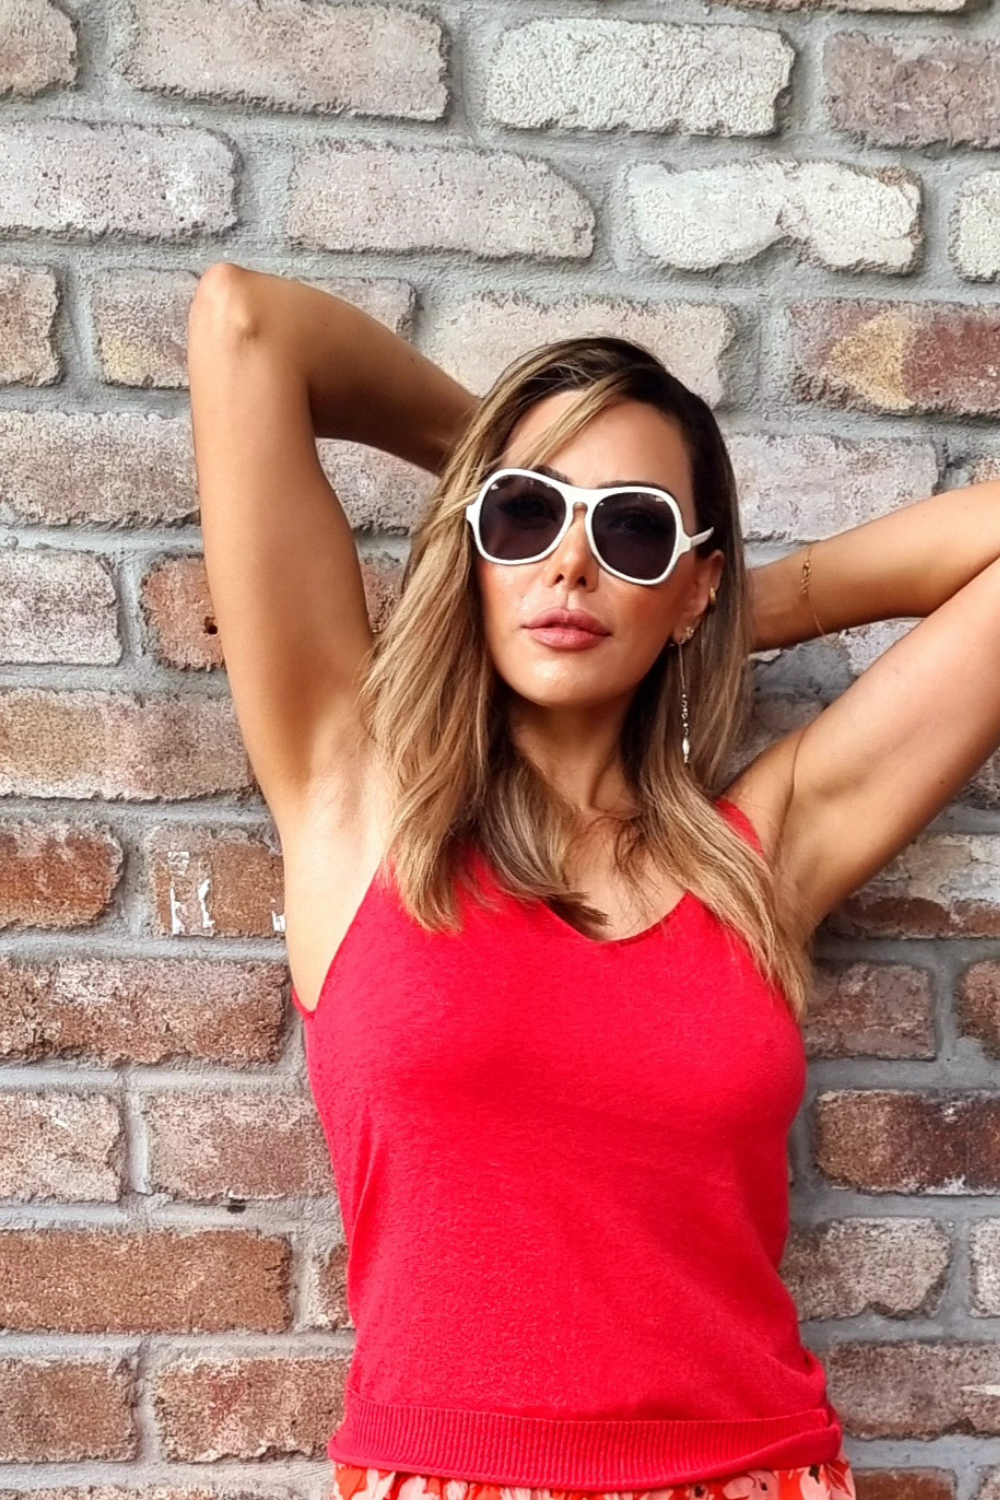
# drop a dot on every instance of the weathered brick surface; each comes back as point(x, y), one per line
point(975, 240)
point(143, 1010)
point(212, 1146)
point(898, 357)
point(325, 1300)
point(984, 1243)
point(247, 1408)
point(97, 744)
point(140, 319)
point(902, 1141)
point(214, 882)
point(353, 59)
point(29, 298)
point(807, 486)
point(83, 178)
point(896, 1267)
point(940, 885)
point(477, 337)
point(977, 997)
point(57, 607)
point(37, 47)
point(494, 205)
point(602, 74)
point(914, 90)
point(64, 1410)
point(56, 874)
point(110, 468)
point(915, 1388)
point(793, 204)
point(162, 1280)
point(833, 213)
point(871, 1010)
point(62, 1146)
point(180, 618)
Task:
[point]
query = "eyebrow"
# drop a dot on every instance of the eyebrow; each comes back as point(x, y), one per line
point(609, 484)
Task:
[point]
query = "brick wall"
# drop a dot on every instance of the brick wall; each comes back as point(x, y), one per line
point(798, 207)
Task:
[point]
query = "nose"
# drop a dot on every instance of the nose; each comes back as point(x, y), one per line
point(573, 554)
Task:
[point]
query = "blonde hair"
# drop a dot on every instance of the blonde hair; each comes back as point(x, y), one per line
point(432, 700)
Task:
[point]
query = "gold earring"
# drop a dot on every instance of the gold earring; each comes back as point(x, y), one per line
point(712, 598)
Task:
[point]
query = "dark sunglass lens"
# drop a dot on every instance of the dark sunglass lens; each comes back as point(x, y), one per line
point(519, 517)
point(635, 533)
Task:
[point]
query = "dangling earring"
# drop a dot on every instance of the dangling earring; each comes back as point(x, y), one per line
point(686, 727)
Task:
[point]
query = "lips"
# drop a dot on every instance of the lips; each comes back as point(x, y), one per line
point(574, 619)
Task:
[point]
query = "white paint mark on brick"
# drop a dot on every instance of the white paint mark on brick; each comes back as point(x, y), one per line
point(842, 216)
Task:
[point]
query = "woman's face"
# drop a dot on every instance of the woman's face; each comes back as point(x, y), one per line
point(628, 442)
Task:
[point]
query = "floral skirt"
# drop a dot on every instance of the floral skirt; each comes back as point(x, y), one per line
point(826, 1481)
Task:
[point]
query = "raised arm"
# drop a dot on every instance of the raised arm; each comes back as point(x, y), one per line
point(274, 364)
point(901, 565)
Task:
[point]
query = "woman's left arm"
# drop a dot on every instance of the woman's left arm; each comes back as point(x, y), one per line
point(900, 565)
point(879, 763)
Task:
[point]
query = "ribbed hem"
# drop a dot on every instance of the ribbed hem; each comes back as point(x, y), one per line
point(589, 1454)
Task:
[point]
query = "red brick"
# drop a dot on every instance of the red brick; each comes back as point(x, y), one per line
point(384, 60)
point(153, 1281)
point(326, 1295)
point(904, 1141)
point(902, 357)
point(870, 1010)
point(29, 298)
point(215, 883)
point(180, 617)
point(210, 1146)
point(56, 874)
point(63, 1146)
point(913, 91)
point(57, 607)
point(915, 1389)
point(248, 1408)
point(904, 1484)
point(96, 744)
point(144, 1010)
point(840, 1269)
point(65, 1410)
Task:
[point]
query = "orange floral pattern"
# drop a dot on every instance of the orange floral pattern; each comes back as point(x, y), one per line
point(827, 1481)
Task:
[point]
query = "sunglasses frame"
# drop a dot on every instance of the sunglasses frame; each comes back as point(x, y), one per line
point(574, 494)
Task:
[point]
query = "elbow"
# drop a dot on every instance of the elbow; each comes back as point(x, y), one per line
point(224, 302)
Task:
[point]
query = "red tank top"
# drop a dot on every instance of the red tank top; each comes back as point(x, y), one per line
point(562, 1169)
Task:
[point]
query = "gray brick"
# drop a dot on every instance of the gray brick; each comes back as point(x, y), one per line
point(351, 196)
point(975, 227)
point(29, 298)
point(152, 181)
point(478, 336)
point(57, 607)
point(37, 47)
point(602, 74)
point(356, 59)
point(140, 319)
point(112, 468)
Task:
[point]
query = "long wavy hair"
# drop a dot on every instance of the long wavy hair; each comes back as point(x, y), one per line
point(434, 704)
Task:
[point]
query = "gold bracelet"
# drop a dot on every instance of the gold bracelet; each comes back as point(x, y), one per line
point(804, 587)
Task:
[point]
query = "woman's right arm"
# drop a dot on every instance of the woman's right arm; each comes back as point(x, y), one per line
point(273, 364)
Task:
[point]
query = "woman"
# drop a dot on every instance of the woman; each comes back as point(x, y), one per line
point(555, 1042)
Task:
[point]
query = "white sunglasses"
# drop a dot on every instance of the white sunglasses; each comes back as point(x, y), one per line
point(636, 532)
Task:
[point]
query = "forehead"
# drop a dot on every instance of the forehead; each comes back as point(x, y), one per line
point(628, 442)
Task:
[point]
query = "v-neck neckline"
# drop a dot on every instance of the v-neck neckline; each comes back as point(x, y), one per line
point(633, 937)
